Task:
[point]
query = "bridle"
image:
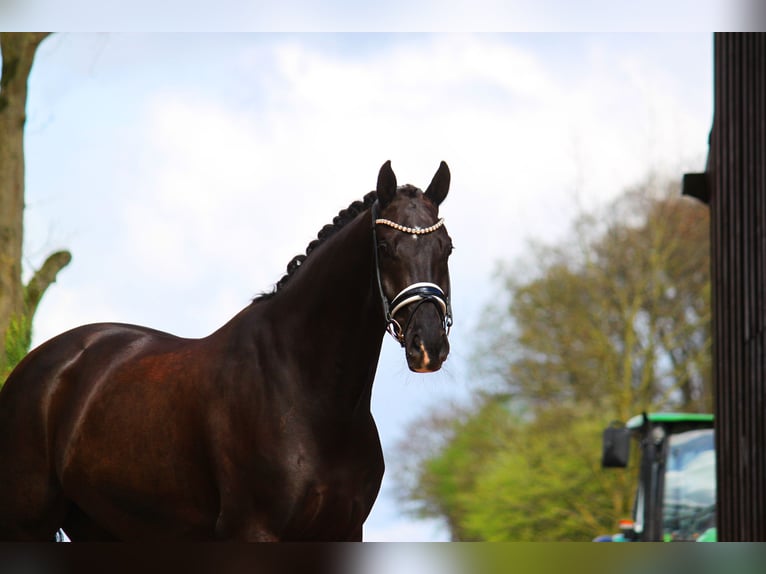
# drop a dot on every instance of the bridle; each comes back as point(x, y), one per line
point(417, 293)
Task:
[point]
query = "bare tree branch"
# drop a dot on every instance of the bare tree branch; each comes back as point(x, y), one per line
point(43, 279)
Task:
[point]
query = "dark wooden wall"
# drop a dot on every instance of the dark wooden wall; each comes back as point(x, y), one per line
point(736, 180)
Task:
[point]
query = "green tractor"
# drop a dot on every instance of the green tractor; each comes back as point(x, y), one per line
point(676, 494)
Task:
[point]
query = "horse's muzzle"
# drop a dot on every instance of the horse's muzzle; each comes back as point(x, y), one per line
point(423, 357)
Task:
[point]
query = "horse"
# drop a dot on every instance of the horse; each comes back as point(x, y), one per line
point(261, 431)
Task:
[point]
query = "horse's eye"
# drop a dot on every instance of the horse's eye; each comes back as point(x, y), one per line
point(384, 248)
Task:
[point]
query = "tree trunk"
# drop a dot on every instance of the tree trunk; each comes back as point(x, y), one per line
point(17, 302)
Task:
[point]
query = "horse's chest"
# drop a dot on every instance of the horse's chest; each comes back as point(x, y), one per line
point(333, 496)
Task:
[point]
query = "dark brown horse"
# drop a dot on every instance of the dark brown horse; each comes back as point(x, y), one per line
point(260, 431)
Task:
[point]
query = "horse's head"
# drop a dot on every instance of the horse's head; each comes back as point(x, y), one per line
point(412, 248)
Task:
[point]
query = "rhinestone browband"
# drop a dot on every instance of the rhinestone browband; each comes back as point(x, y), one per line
point(411, 230)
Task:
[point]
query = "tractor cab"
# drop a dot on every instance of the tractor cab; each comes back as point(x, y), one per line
point(676, 492)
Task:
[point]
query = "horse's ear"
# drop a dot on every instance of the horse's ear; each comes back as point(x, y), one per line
point(386, 184)
point(439, 187)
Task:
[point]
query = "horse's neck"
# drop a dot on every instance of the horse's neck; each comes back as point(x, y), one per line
point(327, 319)
point(332, 299)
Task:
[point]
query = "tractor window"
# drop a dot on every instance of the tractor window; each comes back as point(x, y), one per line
point(689, 494)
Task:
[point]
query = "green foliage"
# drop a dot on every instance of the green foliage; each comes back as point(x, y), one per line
point(451, 476)
point(503, 476)
point(18, 339)
point(613, 321)
point(544, 484)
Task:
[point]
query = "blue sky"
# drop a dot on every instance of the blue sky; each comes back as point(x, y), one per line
point(184, 170)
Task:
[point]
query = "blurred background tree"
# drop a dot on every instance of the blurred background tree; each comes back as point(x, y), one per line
point(613, 321)
point(18, 300)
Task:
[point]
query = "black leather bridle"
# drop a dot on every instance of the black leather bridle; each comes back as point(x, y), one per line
point(417, 293)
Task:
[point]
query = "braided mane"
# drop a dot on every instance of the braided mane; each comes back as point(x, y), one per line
point(339, 221)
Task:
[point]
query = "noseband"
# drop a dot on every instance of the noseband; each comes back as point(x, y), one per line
point(417, 293)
